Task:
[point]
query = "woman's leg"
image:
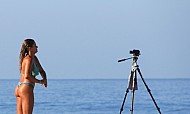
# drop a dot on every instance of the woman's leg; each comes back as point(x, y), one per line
point(32, 102)
point(27, 97)
point(19, 105)
point(18, 102)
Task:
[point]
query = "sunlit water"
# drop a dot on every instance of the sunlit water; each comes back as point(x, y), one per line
point(101, 97)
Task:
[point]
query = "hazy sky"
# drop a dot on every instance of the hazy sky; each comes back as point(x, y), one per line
point(85, 38)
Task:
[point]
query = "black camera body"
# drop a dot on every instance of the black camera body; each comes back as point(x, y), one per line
point(135, 52)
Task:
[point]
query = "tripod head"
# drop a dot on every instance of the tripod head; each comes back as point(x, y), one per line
point(135, 53)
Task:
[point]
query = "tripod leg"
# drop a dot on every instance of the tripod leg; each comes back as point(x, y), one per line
point(133, 96)
point(124, 101)
point(129, 87)
point(133, 91)
point(149, 91)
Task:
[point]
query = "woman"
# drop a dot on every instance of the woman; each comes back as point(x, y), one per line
point(30, 67)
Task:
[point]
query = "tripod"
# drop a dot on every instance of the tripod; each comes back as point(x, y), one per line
point(132, 84)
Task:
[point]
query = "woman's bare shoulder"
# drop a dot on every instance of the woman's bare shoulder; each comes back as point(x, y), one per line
point(27, 59)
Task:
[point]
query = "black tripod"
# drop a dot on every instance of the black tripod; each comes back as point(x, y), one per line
point(132, 84)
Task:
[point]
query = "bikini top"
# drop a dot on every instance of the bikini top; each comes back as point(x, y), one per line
point(35, 71)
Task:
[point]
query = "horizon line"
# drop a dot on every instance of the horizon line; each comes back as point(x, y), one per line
point(96, 78)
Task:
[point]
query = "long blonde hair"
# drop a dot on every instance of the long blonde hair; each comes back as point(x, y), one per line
point(24, 50)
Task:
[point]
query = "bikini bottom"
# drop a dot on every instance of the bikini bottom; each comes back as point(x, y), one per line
point(26, 83)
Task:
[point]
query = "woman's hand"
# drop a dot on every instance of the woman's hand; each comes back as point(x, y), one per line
point(44, 82)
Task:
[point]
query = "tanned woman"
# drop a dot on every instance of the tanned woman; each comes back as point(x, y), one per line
point(30, 67)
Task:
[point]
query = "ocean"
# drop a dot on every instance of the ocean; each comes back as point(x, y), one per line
point(101, 96)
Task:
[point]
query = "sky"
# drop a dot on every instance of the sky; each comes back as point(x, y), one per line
point(84, 39)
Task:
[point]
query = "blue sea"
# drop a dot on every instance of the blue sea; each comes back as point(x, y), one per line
point(101, 96)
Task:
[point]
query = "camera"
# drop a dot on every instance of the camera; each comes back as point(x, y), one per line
point(135, 52)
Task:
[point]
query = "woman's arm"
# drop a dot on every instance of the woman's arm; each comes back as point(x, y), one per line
point(27, 72)
point(42, 71)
